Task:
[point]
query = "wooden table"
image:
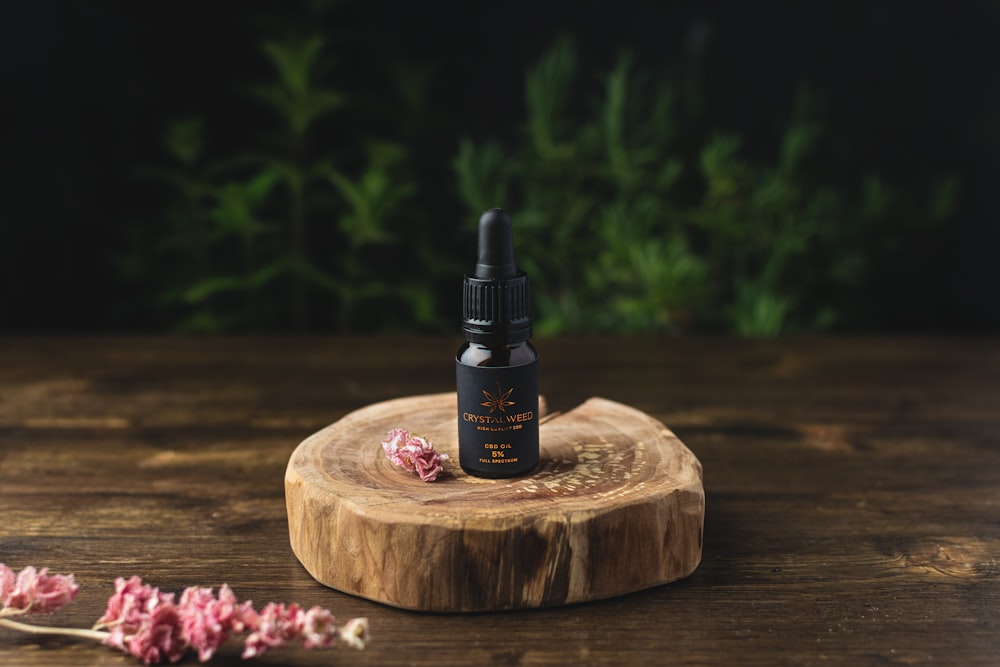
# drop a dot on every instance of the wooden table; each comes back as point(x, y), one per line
point(853, 491)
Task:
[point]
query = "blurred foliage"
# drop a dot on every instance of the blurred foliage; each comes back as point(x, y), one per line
point(629, 216)
point(739, 169)
point(622, 229)
point(284, 235)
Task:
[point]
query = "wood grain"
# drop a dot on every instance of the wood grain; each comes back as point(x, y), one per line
point(615, 505)
point(852, 486)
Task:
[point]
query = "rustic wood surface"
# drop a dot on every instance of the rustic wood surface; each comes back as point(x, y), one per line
point(852, 492)
point(615, 506)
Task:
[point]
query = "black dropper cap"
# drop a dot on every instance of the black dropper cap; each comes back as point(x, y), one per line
point(495, 299)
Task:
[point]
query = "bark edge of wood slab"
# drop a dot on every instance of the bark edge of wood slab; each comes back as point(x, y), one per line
point(616, 505)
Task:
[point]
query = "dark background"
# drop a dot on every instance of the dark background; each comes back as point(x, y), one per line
point(911, 88)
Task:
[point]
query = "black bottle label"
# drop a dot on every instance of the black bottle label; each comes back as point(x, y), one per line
point(498, 419)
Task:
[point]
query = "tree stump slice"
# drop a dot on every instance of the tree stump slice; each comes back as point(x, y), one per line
point(615, 505)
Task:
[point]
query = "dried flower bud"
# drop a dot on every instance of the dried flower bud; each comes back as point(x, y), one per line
point(355, 633)
point(34, 591)
point(413, 454)
point(319, 628)
point(207, 621)
point(276, 624)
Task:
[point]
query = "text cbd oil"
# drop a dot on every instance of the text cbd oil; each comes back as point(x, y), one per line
point(497, 367)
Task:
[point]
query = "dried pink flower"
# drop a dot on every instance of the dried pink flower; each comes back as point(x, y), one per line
point(414, 454)
point(151, 626)
point(276, 624)
point(394, 441)
point(143, 621)
point(207, 620)
point(34, 591)
point(158, 636)
point(319, 628)
point(131, 601)
point(355, 633)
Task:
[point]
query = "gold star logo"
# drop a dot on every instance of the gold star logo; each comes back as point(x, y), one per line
point(498, 401)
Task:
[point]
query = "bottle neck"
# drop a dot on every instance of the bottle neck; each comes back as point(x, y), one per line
point(477, 354)
point(493, 338)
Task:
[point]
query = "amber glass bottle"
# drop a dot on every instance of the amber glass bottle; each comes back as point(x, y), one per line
point(497, 367)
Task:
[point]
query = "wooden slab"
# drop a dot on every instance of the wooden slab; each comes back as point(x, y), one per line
point(616, 505)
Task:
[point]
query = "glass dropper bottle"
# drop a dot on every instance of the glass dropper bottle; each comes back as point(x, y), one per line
point(497, 367)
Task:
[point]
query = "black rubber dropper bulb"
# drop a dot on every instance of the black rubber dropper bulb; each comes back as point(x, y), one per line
point(496, 246)
point(497, 367)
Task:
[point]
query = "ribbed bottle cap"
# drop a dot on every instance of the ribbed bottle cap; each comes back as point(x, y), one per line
point(496, 303)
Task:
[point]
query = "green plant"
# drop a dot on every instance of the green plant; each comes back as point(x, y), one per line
point(589, 196)
point(299, 102)
point(372, 199)
point(621, 230)
point(282, 235)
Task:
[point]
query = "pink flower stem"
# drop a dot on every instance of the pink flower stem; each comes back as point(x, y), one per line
point(46, 630)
